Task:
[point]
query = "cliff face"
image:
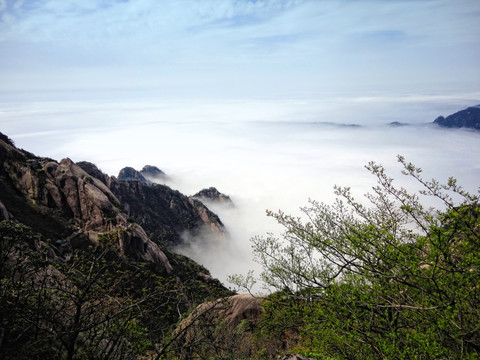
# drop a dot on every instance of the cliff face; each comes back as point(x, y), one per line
point(468, 118)
point(70, 203)
point(164, 213)
point(213, 195)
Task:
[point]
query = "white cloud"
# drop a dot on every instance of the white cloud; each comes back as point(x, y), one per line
point(265, 154)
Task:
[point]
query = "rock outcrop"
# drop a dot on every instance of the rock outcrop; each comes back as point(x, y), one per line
point(164, 213)
point(129, 174)
point(225, 325)
point(148, 175)
point(212, 195)
point(232, 311)
point(153, 174)
point(468, 118)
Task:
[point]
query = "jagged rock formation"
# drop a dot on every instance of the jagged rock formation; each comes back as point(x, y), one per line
point(74, 203)
point(148, 175)
point(153, 173)
point(213, 195)
point(129, 173)
point(164, 213)
point(468, 118)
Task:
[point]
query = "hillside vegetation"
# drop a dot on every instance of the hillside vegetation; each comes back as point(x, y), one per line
point(389, 280)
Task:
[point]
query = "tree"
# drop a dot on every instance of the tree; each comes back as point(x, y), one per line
point(80, 309)
point(391, 279)
point(97, 304)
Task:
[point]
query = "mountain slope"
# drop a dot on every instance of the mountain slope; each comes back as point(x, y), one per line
point(165, 214)
point(75, 203)
point(467, 118)
point(79, 278)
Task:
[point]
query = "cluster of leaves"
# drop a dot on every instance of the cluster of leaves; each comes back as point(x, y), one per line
point(97, 305)
point(392, 280)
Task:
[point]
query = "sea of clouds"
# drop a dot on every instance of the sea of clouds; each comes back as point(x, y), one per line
point(263, 153)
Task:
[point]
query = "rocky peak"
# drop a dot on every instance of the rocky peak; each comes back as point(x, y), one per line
point(153, 173)
point(94, 171)
point(166, 214)
point(467, 118)
point(213, 195)
point(129, 174)
point(148, 175)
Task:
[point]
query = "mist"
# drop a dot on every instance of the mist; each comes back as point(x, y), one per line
point(270, 153)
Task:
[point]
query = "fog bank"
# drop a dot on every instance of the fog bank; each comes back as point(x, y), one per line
point(263, 153)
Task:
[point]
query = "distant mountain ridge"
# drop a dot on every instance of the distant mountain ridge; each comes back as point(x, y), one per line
point(467, 118)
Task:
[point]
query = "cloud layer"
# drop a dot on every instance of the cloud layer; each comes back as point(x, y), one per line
point(264, 154)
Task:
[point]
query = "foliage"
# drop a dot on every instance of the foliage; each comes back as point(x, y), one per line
point(391, 280)
point(96, 305)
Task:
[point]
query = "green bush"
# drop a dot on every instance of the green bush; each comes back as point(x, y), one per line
point(391, 280)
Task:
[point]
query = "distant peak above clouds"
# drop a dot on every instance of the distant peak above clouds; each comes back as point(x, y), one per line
point(467, 118)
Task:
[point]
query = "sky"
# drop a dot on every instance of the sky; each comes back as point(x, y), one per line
point(233, 48)
point(256, 98)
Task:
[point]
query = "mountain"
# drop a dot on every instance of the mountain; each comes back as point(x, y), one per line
point(148, 175)
point(213, 195)
point(77, 201)
point(80, 276)
point(129, 173)
point(467, 118)
point(153, 173)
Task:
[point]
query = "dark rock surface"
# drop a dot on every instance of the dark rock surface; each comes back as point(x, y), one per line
point(129, 174)
point(153, 173)
point(165, 213)
point(468, 118)
point(148, 175)
point(213, 195)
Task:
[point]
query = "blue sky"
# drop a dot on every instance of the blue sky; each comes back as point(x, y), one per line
point(239, 47)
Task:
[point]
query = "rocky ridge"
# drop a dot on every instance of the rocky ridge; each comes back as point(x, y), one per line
point(212, 195)
point(467, 118)
point(148, 175)
point(75, 203)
